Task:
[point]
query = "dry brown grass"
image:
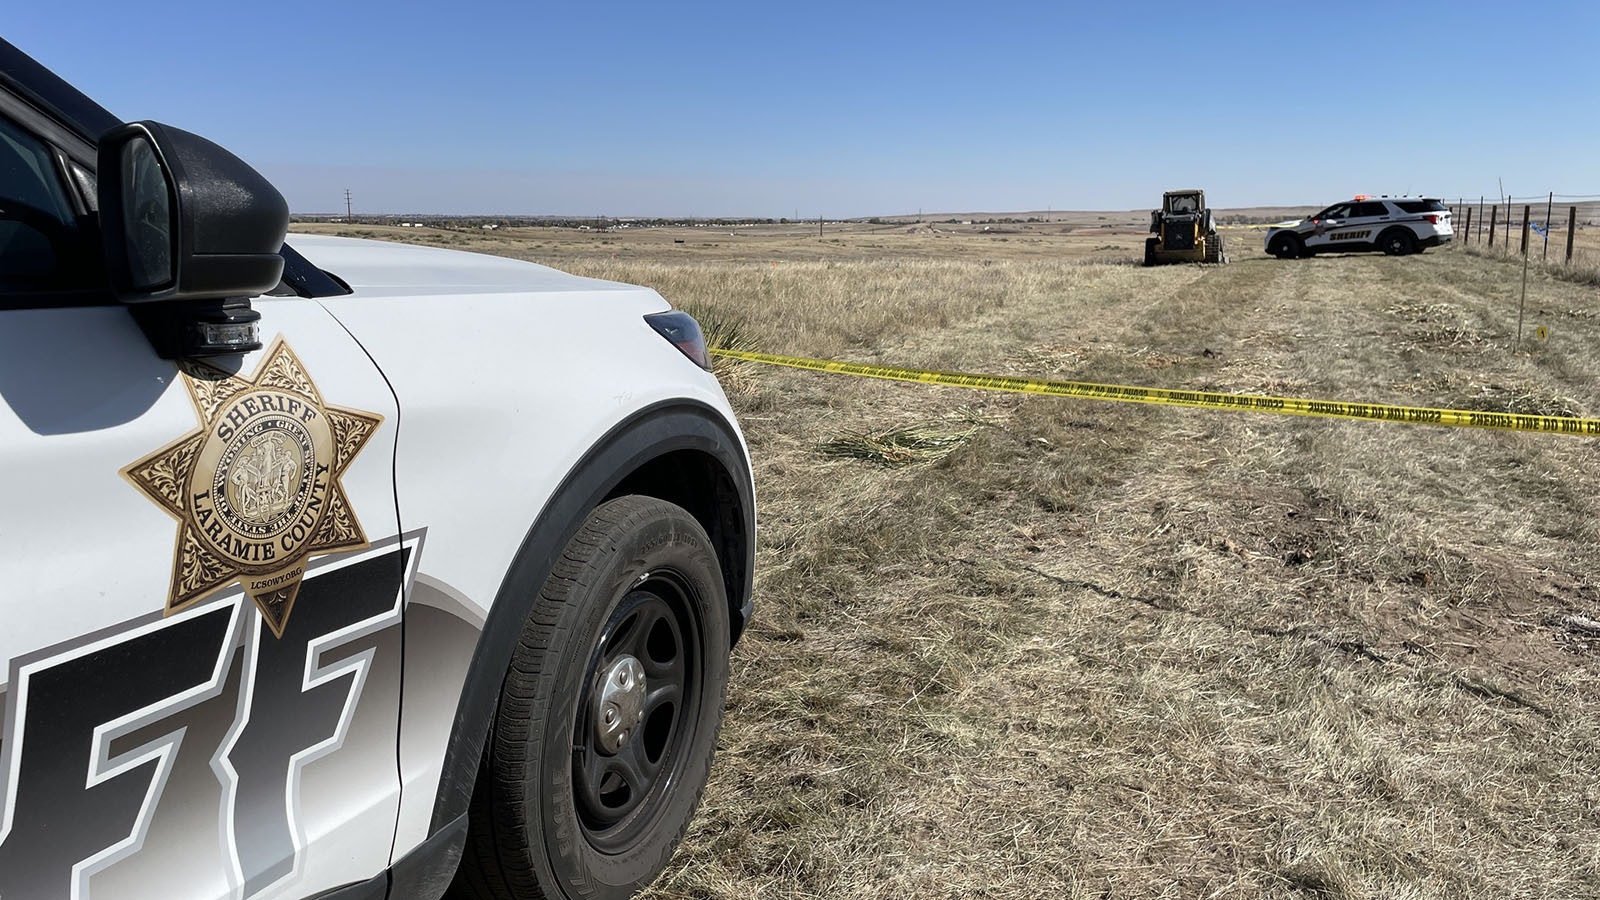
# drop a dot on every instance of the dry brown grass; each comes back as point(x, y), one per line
point(1114, 651)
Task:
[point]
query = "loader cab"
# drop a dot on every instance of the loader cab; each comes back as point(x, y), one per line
point(1183, 203)
point(1183, 230)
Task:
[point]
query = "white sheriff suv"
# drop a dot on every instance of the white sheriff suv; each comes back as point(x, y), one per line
point(1395, 225)
point(347, 570)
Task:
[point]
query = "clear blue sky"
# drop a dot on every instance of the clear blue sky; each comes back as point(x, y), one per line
point(851, 108)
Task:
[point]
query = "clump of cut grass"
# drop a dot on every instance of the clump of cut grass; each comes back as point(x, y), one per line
point(897, 446)
point(1522, 400)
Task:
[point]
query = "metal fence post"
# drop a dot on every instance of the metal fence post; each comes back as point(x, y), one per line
point(1572, 229)
point(1494, 213)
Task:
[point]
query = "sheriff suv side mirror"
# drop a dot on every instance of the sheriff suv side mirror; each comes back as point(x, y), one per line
point(191, 233)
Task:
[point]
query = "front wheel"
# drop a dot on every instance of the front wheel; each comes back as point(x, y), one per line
point(608, 716)
point(1286, 246)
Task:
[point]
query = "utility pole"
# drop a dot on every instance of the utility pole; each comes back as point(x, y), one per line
point(347, 206)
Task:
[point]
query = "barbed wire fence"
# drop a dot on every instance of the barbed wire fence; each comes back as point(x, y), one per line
point(1493, 223)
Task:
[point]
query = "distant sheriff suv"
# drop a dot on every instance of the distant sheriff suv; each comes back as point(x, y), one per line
point(1395, 225)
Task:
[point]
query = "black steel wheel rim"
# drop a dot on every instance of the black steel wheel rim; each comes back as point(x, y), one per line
point(619, 791)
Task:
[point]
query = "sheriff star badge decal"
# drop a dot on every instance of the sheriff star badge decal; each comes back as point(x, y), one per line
point(255, 488)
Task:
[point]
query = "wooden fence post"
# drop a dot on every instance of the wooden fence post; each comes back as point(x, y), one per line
point(1572, 229)
point(1480, 218)
point(1466, 233)
point(1494, 213)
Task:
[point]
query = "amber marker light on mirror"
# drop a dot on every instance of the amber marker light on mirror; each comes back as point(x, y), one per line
point(684, 332)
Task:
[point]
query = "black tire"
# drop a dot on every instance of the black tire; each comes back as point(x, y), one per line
point(1216, 252)
point(1149, 251)
point(1397, 242)
point(1287, 246)
point(564, 806)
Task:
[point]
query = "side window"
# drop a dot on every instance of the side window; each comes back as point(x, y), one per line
point(41, 244)
point(1368, 209)
point(1339, 211)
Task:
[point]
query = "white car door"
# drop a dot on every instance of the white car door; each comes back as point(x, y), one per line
point(200, 580)
point(1325, 225)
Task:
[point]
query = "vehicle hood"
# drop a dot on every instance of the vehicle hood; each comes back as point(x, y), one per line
point(383, 268)
point(1292, 223)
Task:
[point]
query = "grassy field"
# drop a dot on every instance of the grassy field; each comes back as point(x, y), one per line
point(1013, 647)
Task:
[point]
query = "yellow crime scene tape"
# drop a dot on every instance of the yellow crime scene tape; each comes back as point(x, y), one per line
point(1287, 406)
